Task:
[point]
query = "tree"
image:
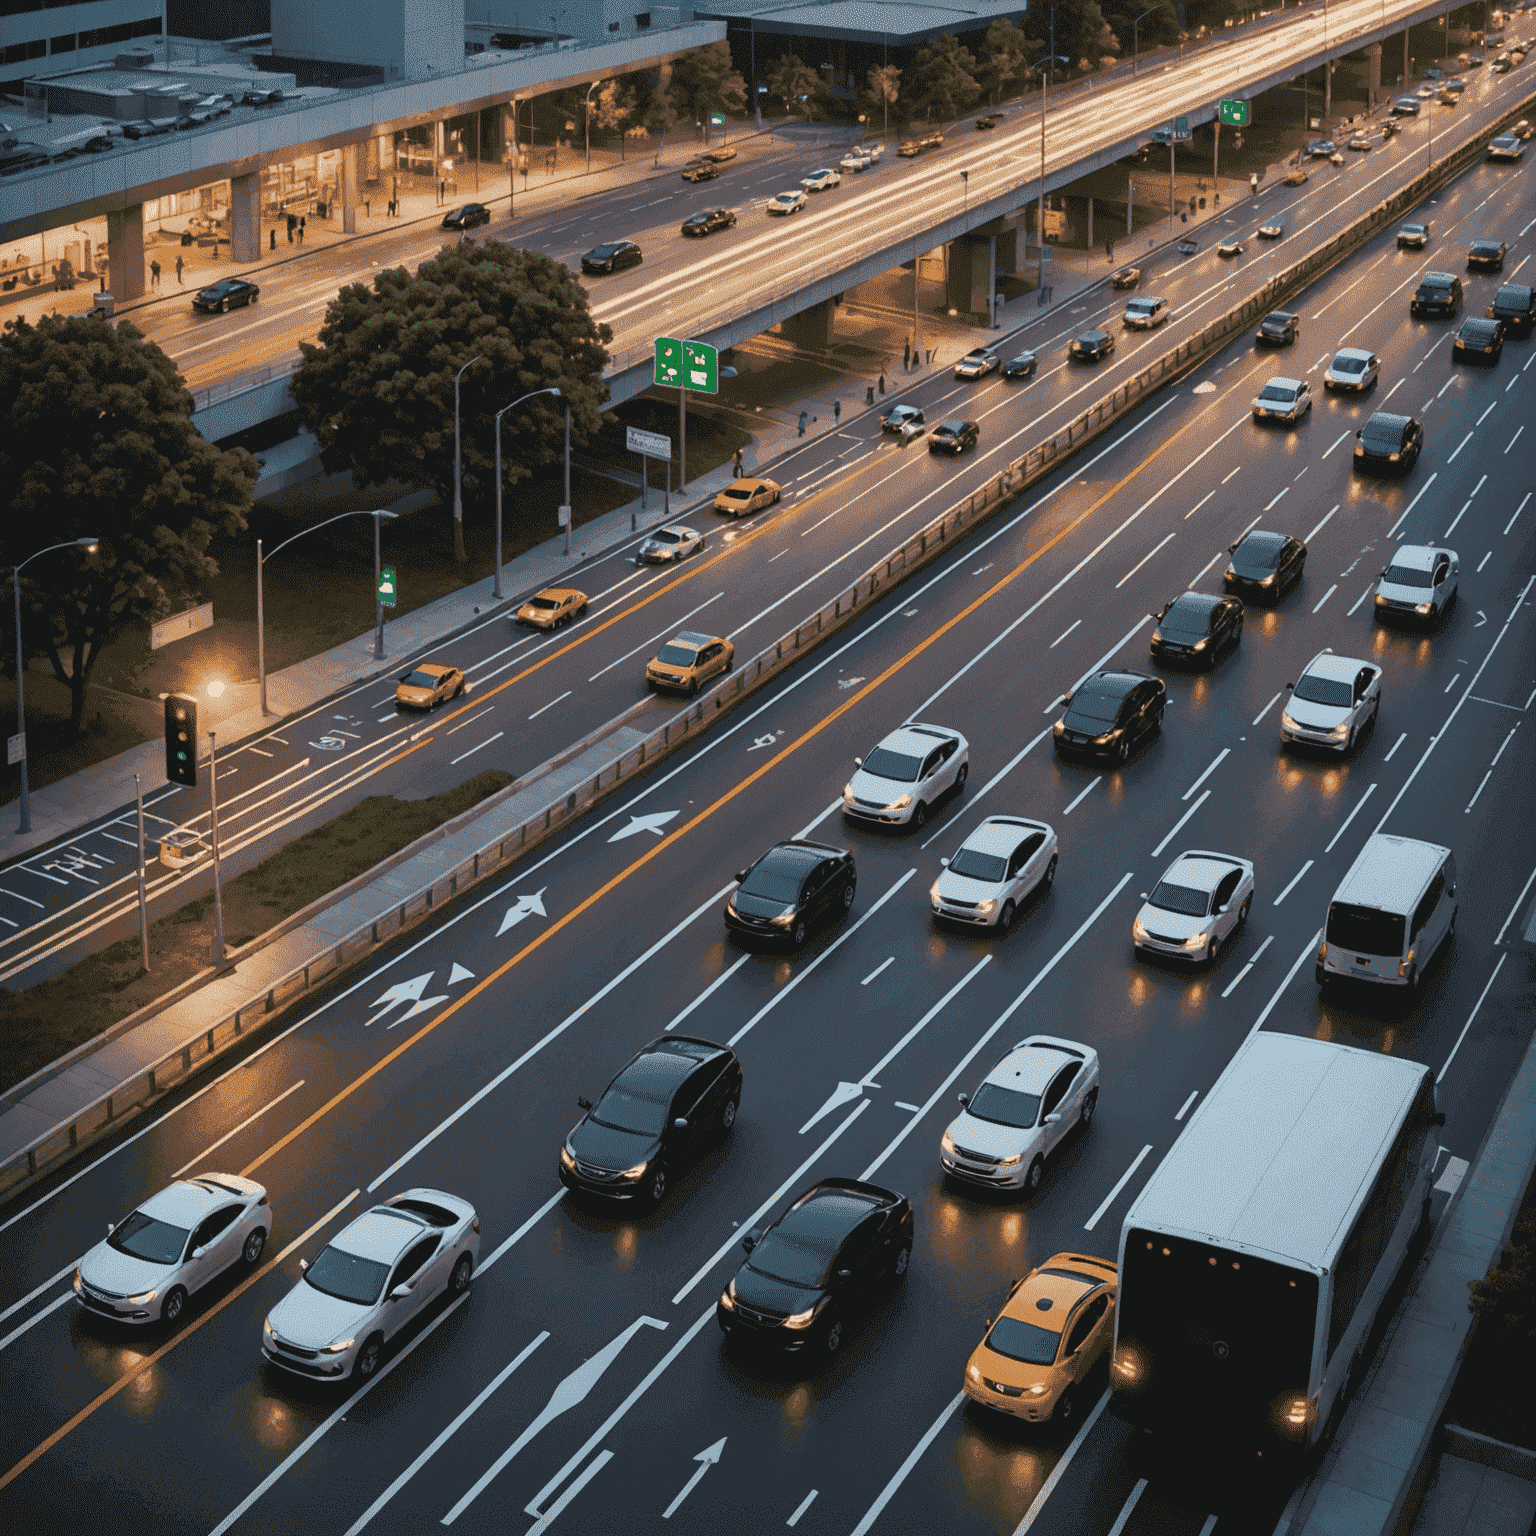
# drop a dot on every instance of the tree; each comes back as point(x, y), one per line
point(612, 107)
point(99, 441)
point(881, 94)
point(1006, 54)
point(705, 81)
point(1083, 34)
point(941, 84)
point(378, 389)
point(1162, 26)
point(792, 81)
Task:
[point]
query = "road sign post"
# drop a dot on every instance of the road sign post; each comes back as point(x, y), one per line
point(387, 586)
point(649, 445)
point(686, 365)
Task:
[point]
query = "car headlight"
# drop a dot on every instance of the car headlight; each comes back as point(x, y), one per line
point(1011, 1162)
point(973, 1373)
point(267, 1330)
point(1138, 930)
point(784, 919)
point(728, 1297)
point(1392, 458)
point(1108, 736)
point(1406, 963)
point(1422, 608)
point(1039, 1389)
point(987, 907)
point(802, 1319)
point(340, 1347)
point(1380, 599)
point(1286, 721)
point(1268, 581)
point(637, 1172)
point(566, 1159)
point(948, 1143)
point(900, 804)
point(1340, 731)
point(1059, 729)
point(1200, 645)
point(847, 791)
point(1196, 940)
point(933, 893)
point(1126, 1367)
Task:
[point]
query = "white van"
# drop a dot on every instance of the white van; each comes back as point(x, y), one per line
point(1390, 914)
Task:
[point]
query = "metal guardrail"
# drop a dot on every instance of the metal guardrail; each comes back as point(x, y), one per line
point(212, 394)
point(924, 545)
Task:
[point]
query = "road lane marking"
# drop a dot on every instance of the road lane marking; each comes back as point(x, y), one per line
point(1215, 764)
point(1059, 1471)
point(535, 715)
point(1370, 790)
point(714, 986)
point(1294, 881)
point(1440, 1076)
point(1114, 1194)
point(1174, 830)
point(1184, 1109)
point(1083, 794)
point(888, 961)
point(913, 1457)
point(1141, 562)
point(192, 1162)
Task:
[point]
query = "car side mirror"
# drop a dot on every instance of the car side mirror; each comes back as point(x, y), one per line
point(845, 1274)
point(741, 874)
point(1051, 1119)
point(1357, 434)
point(1290, 685)
point(198, 1252)
point(1231, 549)
point(400, 1292)
point(858, 762)
point(752, 1239)
point(680, 1124)
point(584, 1103)
point(1438, 1118)
point(943, 863)
point(1223, 909)
point(1066, 698)
point(989, 1321)
point(303, 1265)
point(965, 1099)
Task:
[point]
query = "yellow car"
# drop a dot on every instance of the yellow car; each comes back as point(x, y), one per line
point(1058, 1320)
point(1296, 177)
point(428, 686)
point(689, 660)
point(552, 607)
point(743, 496)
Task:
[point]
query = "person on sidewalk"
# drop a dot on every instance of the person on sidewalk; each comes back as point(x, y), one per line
point(154, 274)
point(179, 265)
point(367, 208)
point(1109, 249)
point(272, 243)
point(906, 354)
point(293, 224)
point(301, 229)
point(1253, 185)
point(738, 465)
point(837, 411)
point(803, 419)
point(882, 383)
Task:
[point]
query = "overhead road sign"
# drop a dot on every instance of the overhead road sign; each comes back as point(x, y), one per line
point(1235, 114)
point(687, 365)
point(652, 444)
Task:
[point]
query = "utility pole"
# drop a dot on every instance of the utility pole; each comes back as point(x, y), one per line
point(570, 516)
point(458, 478)
point(138, 788)
point(219, 955)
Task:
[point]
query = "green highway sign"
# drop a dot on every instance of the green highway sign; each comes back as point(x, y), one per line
point(387, 586)
point(669, 361)
point(717, 120)
point(687, 365)
point(1235, 114)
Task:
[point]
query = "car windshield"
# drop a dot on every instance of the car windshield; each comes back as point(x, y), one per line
point(1349, 365)
point(885, 764)
point(1484, 248)
point(1096, 705)
point(542, 602)
point(603, 252)
point(1386, 437)
point(1364, 929)
point(1184, 899)
point(737, 492)
point(784, 1257)
point(954, 426)
point(1406, 576)
point(1022, 360)
point(1335, 691)
point(976, 865)
point(419, 679)
point(774, 882)
point(1005, 1106)
point(976, 355)
point(785, 197)
point(620, 1109)
point(1283, 393)
point(1140, 307)
point(1435, 289)
point(157, 1242)
point(676, 655)
point(1415, 229)
point(666, 536)
point(1018, 1340)
point(347, 1277)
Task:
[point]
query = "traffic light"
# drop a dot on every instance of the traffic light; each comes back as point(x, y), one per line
point(181, 739)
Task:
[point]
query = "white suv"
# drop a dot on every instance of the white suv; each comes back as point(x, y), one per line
point(1420, 583)
point(1200, 902)
point(1331, 703)
point(906, 775)
point(1146, 314)
point(1004, 861)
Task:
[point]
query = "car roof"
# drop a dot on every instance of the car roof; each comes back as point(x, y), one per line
point(952, 424)
point(1195, 602)
point(1439, 279)
point(832, 1208)
point(1261, 538)
point(1117, 683)
point(1342, 668)
point(655, 1073)
point(979, 352)
point(1047, 1296)
point(184, 1203)
point(381, 1234)
point(795, 857)
point(1417, 557)
point(1485, 242)
point(1146, 300)
point(1201, 871)
point(1353, 352)
point(1283, 383)
point(690, 637)
point(918, 740)
point(1476, 324)
point(1093, 336)
point(436, 668)
point(1382, 420)
point(1280, 314)
point(1519, 293)
point(1032, 1063)
point(1002, 834)
point(557, 592)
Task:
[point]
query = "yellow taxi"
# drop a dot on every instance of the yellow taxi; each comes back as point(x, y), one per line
point(428, 685)
point(1057, 1322)
point(689, 660)
point(552, 607)
point(743, 496)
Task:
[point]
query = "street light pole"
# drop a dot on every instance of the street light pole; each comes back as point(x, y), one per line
point(458, 478)
point(1136, 38)
point(89, 545)
point(496, 590)
point(378, 517)
point(1044, 66)
point(569, 510)
point(588, 105)
point(213, 817)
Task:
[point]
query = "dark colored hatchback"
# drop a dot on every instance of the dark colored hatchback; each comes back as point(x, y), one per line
point(470, 216)
point(1264, 565)
point(954, 436)
point(612, 258)
point(1388, 444)
point(1486, 256)
point(1197, 629)
point(1515, 305)
point(1110, 714)
point(1478, 341)
point(1278, 329)
point(669, 1104)
point(1091, 347)
point(825, 1261)
point(707, 220)
point(794, 887)
point(1438, 296)
point(231, 293)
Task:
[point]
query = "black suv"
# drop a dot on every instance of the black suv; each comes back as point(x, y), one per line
point(1515, 305)
point(1110, 714)
point(793, 888)
point(1264, 565)
point(1438, 296)
point(1486, 256)
point(1197, 628)
point(1091, 346)
point(612, 258)
point(708, 220)
point(825, 1260)
point(954, 436)
point(470, 216)
point(1478, 341)
point(1389, 444)
point(672, 1101)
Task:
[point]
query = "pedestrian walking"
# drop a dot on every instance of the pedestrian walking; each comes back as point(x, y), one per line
point(367, 208)
point(1109, 249)
point(802, 423)
point(1253, 185)
point(738, 466)
point(293, 224)
point(272, 243)
point(154, 273)
point(301, 229)
point(837, 410)
point(179, 265)
point(882, 381)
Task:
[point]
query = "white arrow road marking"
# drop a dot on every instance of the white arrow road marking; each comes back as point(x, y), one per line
point(421, 1005)
point(651, 823)
point(458, 973)
point(765, 741)
point(849, 682)
point(1482, 618)
point(567, 1395)
point(402, 992)
point(706, 1459)
point(527, 906)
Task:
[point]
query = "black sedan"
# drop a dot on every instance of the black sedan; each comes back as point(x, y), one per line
point(1197, 628)
point(794, 887)
point(1515, 305)
point(1265, 565)
point(1388, 444)
point(1478, 341)
point(470, 216)
point(230, 293)
point(988, 120)
point(1486, 256)
point(1091, 347)
point(669, 1104)
point(1278, 329)
point(822, 1263)
point(1021, 367)
point(1110, 714)
point(707, 220)
point(954, 436)
point(614, 257)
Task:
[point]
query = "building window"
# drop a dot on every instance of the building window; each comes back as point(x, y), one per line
point(643, 20)
point(65, 44)
point(613, 26)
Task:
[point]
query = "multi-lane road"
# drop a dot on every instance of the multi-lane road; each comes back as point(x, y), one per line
point(579, 1383)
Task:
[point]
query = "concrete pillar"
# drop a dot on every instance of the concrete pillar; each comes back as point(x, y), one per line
point(812, 328)
point(439, 143)
point(968, 285)
point(125, 250)
point(245, 217)
point(1327, 92)
point(349, 189)
point(1373, 73)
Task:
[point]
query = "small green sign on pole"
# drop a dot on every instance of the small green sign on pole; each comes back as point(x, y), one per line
point(687, 365)
point(387, 586)
point(1234, 114)
point(717, 120)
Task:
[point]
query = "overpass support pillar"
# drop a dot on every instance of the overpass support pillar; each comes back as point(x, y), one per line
point(245, 217)
point(1373, 73)
point(125, 250)
point(349, 163)
point(811, 328)
point(972, 275)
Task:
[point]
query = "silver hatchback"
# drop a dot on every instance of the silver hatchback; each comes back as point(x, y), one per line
point(996, 869)
point(1352, 371)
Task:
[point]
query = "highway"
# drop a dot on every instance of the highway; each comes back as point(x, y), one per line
point(849, 496)
point(583, 1377)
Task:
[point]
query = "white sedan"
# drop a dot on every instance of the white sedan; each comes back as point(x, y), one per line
point(997, 868)
point(173, 1245)
point(853, 161)
point(1200, 902)
point(1020, 1114)
point(787, 202)
point(675, 542)
point(1420, 583)
point(821, 181)
point(906, 775)
point(1332, 703)
point(370, 1281)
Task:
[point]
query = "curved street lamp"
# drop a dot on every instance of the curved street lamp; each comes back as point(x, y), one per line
point(1044, 66)
point(458, 476)
point(588, 105)
point(89, 546)
point(1136, 36)
point(552, 390)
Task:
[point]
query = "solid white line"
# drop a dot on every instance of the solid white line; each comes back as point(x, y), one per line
point(1510, 524)
point(891, 960)
point(53, 1306)
point(870, 1078)
point(1440, 1076)
point(996, 778)
point(1236, 471)
point(453, 762)
point(525, 1229)
point(1412, 504)
point(1113, 1195)
point(1184, 1110)
point(1484, 417)
point(1295, 880)
point(710, 990)
point(1231, 986)
point(1063, 635)
point(1524, 891)
point(32, 1295)
point(1124, 1516)
point(443, 1438)
point(1104, 660)
point(1141, 563)
point(1309, 948)
point(1204, 568)
point(801, 1508)
point(193, 1161)
point(913, 1456)
point(543, 1523)
point(470, 721)
point(1209, 1526)
point(1203, 500)
point(1335, 443)
point(1358, 601)
point(1215, 764)
point(1371, 790)
point(1205, 795)
point(540, 710)
point(1267, 708)
point(1467, 810)
point(1083, 795)
point(1326, 595)
point(1319, 527)
point(1462, 444)
point(659, 635)
point(1395, 745)
point(1059, 1471)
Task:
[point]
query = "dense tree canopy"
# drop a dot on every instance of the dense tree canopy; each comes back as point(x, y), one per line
point(800, 89)
point(378, 389)
point(99, 441)
point(941, 82)
point(1004, 59)
point(705, 81)
point(880, 95)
